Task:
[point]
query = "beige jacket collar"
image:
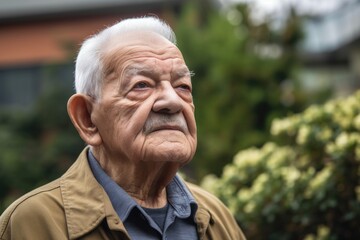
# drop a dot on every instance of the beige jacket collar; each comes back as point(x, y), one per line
point(87, 204)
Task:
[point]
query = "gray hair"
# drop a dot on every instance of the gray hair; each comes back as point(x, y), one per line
point(89, 67)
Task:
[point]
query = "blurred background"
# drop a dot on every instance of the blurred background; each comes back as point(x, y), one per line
point(276, 93)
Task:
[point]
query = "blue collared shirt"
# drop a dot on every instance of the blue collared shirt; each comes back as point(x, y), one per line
point(179, 222)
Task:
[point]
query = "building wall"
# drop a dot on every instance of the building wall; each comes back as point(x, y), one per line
point(53, 40)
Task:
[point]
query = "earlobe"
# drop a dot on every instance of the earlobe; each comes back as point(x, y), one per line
point(79, 108)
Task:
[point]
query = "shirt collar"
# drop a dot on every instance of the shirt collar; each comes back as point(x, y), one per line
point(121, 201)
point(180, 198)
point(178, 194)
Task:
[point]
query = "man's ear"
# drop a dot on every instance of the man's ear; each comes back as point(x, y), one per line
point(79, 108)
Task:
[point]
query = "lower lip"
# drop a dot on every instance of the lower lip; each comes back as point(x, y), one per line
point(167, 129)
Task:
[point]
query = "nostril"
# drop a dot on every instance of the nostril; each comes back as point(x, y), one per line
point(164, 110)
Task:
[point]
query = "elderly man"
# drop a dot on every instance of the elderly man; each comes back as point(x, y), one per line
point(134, 109)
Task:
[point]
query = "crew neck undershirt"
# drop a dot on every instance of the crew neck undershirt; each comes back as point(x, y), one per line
point(158, 215)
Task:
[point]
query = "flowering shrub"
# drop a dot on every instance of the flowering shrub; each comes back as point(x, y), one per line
point(305, 186)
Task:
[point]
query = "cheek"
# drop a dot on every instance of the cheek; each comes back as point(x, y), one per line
point(116, 121)
point(127, 125)
point(192, 127)
point(189, 115)
point(135, 114)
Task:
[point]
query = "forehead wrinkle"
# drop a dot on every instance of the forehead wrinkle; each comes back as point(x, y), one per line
point(150, 67)
point(136, 69)
point(128, 45)
point(114, 61)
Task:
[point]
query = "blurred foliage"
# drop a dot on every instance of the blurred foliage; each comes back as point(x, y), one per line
point(36, 146)
point(244, 78)
point(305, 186)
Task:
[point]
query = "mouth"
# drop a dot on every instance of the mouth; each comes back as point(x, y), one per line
point(167, 127)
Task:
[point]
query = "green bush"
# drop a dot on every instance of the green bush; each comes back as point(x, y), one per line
point(305, 186)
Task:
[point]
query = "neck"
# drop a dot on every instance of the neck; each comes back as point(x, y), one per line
point(145, 182)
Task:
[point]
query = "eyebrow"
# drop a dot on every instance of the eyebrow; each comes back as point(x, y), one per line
point(149, 71)
point(138, 70)
point(183, 72)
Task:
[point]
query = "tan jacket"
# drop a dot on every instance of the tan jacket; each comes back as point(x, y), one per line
point(75, 206)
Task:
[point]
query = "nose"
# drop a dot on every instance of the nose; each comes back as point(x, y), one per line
point(168, 101)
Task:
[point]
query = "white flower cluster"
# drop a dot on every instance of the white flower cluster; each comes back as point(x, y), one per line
point(322, 142)
point(321, 234)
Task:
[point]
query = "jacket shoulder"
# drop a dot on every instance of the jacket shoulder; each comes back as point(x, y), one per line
point(222, 224)
point(32, 212)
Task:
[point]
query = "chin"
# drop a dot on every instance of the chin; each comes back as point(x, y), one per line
point(170, 149)
point(174, 155)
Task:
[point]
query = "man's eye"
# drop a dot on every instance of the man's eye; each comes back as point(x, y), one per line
point(141, 85)
point(185, 87)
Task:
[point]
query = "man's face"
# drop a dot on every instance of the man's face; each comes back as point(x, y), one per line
point(146, 111)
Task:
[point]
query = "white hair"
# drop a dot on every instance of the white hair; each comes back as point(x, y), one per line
point(89, 67)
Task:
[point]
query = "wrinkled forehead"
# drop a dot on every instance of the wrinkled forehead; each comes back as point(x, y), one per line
point(138, 45)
